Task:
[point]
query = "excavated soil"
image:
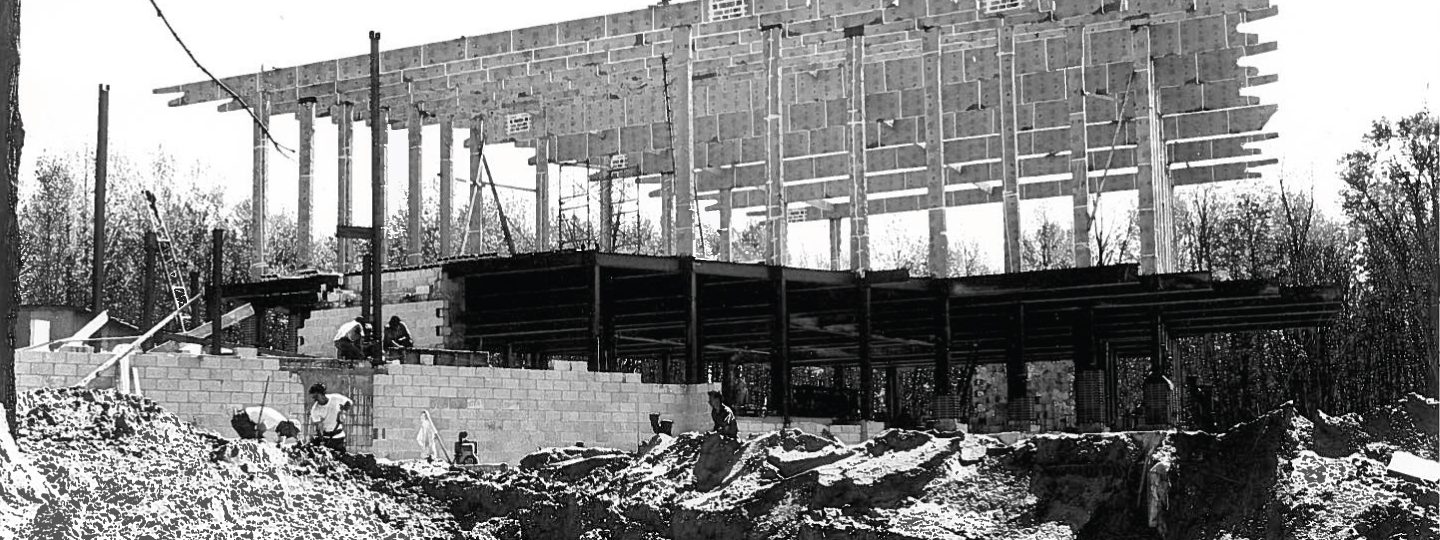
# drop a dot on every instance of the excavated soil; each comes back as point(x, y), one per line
point(120, 466)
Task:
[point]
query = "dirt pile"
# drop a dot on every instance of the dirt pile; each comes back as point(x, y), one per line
point(21, 487)
point(121, 466)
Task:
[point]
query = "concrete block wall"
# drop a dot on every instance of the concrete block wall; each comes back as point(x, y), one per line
point(425, 325)
point(203, 390)
point(1051, 384)
point(512, 412)
point(402, 285)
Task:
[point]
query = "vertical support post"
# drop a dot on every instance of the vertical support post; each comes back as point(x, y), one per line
point(684, 147)
point(1009, 158)
point(196, 310)
point(939, 253)
point(378, 135)
point(415, 228)
point(217, 269)
point(147, 287)
point(260, 174)
point(1152, 178)
point(12, 140)
point(694, 353)
point(859, 181)
point(1017, 390)
point(727, 209)
point(447, 187)
point(366, 264)
point(542, 194)
point(780, 344)
point(344, 116)
point(598, 361)
point(941, 314)
point(475, 229)
point(665, 368)
point(837, 377)
point(1079, 142)
point(1089, 375)
point(836, 260)
point(862, 331)
point(306, 116)
point(102, 162)
point(777, 228)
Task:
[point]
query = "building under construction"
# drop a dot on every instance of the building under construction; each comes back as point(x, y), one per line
point(796, 111)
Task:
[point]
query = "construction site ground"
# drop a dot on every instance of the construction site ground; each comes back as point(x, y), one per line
point(98, 464)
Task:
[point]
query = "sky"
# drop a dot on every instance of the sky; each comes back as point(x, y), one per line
point(1341, 66)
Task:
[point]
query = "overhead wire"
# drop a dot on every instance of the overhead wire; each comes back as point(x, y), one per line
point(264, 128)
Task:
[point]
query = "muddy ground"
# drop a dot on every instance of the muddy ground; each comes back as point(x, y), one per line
point(119, 466)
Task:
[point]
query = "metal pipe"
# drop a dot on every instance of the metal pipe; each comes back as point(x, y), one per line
point(217, 266)
point(377, 191)
point(102, 158)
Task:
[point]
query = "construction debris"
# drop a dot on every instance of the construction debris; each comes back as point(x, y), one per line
point(121, 465)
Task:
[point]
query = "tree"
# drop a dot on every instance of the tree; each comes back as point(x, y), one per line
point(1047, 247)
point(1392, 193)
point(12, 139)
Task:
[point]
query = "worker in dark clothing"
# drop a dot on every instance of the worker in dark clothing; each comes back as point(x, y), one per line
point(397, 335)
point(350, 340)
point(722, 415)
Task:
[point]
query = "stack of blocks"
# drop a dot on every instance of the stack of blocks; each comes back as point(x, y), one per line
point(1050, 384)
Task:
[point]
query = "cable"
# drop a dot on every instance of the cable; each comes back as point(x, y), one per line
point(263, 127)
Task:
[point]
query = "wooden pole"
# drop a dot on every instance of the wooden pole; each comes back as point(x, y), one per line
point(102, 153)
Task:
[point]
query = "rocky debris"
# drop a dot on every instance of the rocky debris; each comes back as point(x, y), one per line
point(120, 466)
point(574, 463)
point(22, 489)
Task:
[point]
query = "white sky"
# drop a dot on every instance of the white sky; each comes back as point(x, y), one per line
point(1341, 65)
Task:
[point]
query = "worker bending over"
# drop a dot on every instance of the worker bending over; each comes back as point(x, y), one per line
point(325, 417)
point(350, 340)
point(722, 415)
point(255, 422)
point(397, 335)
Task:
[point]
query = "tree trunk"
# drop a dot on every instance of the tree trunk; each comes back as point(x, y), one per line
point(12, 138)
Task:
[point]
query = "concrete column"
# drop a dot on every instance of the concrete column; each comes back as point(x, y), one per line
point(1152, 178)
point(683, 106)
point(260, 175)
point(1009, 159)
point(607, 212)
point(836, 260)
point(1079, 143)
point(939, 253)
point(859, 182)
point(862, 330)
point(777, 227)
point(304, 230)
point(667, 214)
point(344, 116)
point(727, 207)
point(475, 228)
point(543, 240)
point(780, 344)
point(414, 229)
point(447, 187)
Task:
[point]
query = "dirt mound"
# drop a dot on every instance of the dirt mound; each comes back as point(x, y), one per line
point(121, 466)
point(21, 487)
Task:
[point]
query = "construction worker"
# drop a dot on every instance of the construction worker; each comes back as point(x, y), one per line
point(325, 417)
point(255, 422)
point(722, 415)
point(350, 340)
point(397, 335)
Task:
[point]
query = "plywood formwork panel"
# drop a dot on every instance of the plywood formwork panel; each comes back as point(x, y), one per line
point(602, 77)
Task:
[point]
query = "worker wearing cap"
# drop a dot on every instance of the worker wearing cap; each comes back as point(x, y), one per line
point(325, 417)
point(255, 422)
point(350, 340)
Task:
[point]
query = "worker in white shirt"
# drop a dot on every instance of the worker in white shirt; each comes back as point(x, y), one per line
point(325, 417)
point(255, 422)
point(350, 340)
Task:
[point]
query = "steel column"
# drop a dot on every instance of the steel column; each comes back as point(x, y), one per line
point(378, 134)
point(942, 330)
point(862, 331)
point(217, 272)
point(694, 353)
point(102, 159)
point(780, 344)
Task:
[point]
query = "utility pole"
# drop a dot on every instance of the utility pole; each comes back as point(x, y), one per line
point(102, 159)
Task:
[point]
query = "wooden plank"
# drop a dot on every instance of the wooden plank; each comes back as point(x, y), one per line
point(81, 335)
point(127, 349)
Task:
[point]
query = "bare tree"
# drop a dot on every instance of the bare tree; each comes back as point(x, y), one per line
point(1047, 247)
